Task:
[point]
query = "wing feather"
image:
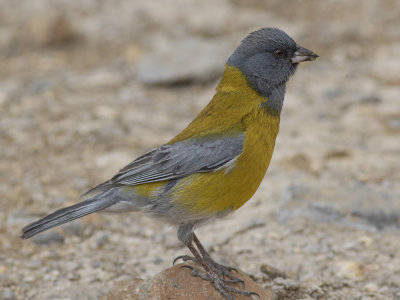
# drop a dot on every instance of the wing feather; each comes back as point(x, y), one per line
point(177, 160)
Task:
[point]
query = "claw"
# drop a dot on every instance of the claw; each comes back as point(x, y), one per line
point(255, 294)
point(184, 258)
point(187, 267)
point(230, 269)
point(234, 281)
point(177, 258)
point(194, 270)
point(196, 273)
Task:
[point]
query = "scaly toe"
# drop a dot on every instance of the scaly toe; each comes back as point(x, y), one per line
point(225, 272)
point(234, 281)
point(218, 267)
point(197, 273)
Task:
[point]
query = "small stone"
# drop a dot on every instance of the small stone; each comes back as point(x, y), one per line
point(315, 292)
point(370, 99)
point(351, 246)
point(73, 228)
point(3, 269)
point(8, 294)
point(297, 250)
point(157, 260)
point(337, 154)
point(74, 277)
point(394, 123)
point(366, 241)
point(287, 283)
point(97, 264)
point(47, 238)
point(283, 287)
point(102, 240)
point(272, 272)
point(312, 249)
point(51, 276)
point(350, 270)
point(33, 264)
point(274, 235)
point(29, 279)
point(299, 161)
point(371, 287)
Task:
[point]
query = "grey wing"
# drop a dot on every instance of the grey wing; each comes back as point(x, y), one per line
point(177, 160)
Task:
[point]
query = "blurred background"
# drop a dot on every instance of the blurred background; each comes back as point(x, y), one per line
point(86, 86)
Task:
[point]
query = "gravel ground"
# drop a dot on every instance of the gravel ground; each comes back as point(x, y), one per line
point(87, 86)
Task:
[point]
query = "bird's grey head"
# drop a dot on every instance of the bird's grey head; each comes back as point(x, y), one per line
point(268, 57)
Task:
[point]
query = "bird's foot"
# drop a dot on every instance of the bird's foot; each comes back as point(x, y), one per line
point(220, 284)
point(223, 271)
point(220, 270)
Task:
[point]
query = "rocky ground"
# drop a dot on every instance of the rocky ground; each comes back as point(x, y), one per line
point(87, 86)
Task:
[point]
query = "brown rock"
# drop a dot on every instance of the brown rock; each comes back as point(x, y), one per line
point(178, 284)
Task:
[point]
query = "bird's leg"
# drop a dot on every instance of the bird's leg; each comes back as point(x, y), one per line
point(212, 270)
point(185, 235)
point(221, 270)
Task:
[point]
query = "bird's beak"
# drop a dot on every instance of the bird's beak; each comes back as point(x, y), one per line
point(303, 54)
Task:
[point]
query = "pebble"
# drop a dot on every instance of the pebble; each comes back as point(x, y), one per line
point(33, 264)
point(311, 248)
point(394, 123)
point(29, 279)
point(287, 283)
point(51, 276)
point(351, 246)
point(101, 241)
point(315, 292)
point(74, 277)
point(282, 287)
point(274, 235)
point(272, 272)
point(73, 228)
point(370, 287)
point(8, 294)
point(47, 238)
point(157, 260)
point(365, 240)
point(350, 270)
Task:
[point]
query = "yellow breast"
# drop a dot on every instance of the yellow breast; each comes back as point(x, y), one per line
point(236, 107)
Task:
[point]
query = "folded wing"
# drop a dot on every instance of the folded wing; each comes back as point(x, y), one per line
point(171, 161)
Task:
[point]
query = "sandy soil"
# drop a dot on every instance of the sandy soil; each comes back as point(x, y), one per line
point(87, 86)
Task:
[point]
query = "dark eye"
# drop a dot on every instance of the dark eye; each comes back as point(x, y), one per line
point(279, 53)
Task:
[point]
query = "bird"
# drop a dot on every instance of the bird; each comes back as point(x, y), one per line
point(214, 165)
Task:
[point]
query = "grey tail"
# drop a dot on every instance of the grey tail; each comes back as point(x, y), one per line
point(65, 215)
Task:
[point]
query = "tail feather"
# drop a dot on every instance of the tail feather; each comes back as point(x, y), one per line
point(65, 215)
